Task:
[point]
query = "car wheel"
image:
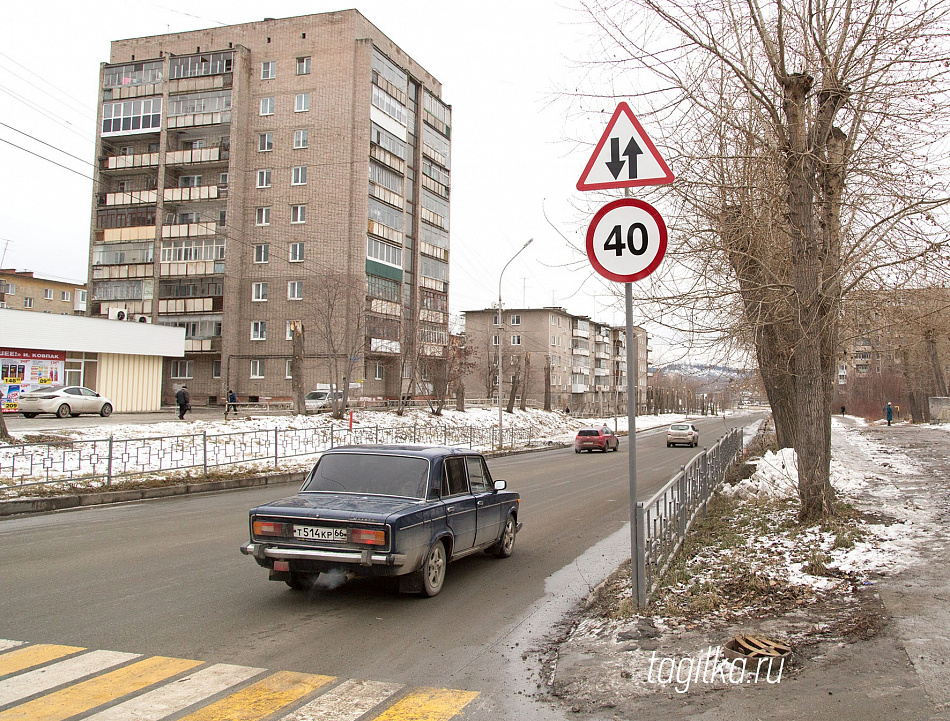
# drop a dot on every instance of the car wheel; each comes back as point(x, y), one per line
point(507, 541)
point(605, 448)
point(62, 411)
point(30, 415)
point(617, 447)
point(106, 410)
point(433, 570)
point(301, 581)
point(669, 445)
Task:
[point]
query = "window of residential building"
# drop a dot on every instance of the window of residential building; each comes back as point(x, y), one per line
point(494, 340)
point(296, 252)
point(496, 319)
point(516, 340)
point(64, 296)
point(295, 290)
point(259, 330)
point(384, 252)
point(290, 329)
point(263, 178)
point(182, 369)
point(514, 319)
point(267, 106)
point(298, 213)
point(554, 340)
point(268, 70)
point(82, 296)
point(8, 288)
point(192, 66)
point(47, 294)
point(257, 368)
point(300, 138)
point(206, 102)
point(132, 116)
point(299, 175)
point(260, 292)
point(223, 217)
point(223, 179)
point(379, 371)
point(123, 186)
point(302, 103)
point(27, 302)
point(215, 369)
point(261, 252)
point(189, 181)
point(263, 216)
point(288, 370)
point(265, 142)
point(303, 66)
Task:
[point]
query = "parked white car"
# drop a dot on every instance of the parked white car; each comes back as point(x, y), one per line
point(63, 401)
point(320, 400)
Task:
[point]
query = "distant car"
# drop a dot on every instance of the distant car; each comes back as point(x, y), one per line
point(63, 401)
point(317, 400)
point(685, 434)
point(385, 511)
point(600, 439)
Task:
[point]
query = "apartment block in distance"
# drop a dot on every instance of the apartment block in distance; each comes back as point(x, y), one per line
point(239, 167)
point(22, 290)
point(587, 360)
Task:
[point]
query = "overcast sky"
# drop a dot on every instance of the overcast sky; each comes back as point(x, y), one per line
point(503, 67)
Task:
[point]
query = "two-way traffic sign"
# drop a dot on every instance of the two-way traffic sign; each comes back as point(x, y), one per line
point(625, 157)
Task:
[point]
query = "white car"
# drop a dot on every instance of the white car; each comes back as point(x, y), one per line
point(682, 433)
point(318, 400)
point(63, 401)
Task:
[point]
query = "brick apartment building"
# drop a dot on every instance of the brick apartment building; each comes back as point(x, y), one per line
point(588, 362)
point(22, 290)
point(240, 165)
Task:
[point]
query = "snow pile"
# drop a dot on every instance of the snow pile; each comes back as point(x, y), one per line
point(776, 476)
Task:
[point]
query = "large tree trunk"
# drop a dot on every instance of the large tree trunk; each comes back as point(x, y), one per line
point(296, 369)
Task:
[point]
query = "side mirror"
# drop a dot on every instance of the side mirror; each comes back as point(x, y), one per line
point(501, 485)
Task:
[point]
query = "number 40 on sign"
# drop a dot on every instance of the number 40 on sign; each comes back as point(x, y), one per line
point(626, 240)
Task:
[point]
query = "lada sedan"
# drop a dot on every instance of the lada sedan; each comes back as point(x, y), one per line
point(385, 511)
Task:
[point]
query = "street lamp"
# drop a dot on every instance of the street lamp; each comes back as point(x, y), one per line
point(501, 324)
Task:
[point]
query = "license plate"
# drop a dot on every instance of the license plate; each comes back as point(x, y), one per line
point(316, 533)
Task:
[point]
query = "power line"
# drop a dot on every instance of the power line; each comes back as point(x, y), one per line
point(47, 160)
point(42, 111)
point(59, 90)
point(42, 142)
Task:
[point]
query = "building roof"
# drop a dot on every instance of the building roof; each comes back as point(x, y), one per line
point(72, 333)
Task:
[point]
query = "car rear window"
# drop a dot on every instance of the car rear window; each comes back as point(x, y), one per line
point(588, 433)
point(370, 473)
point(679, 427)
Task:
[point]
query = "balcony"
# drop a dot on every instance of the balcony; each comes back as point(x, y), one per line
point(117, 272)
point(189, 230)
point(201, 192)
point(200, 83)
point(191, 268)
point(195, 120)
point(122, 162)
point(203, 345)
point(601, 372)
point(579, 388)
point(197, 155)
point(136, 197)
point(135, 232)
point(580, 352)
point(581, 333)
point(214, 304)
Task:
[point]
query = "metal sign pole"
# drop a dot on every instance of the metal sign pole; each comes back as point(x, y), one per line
point(636, 549)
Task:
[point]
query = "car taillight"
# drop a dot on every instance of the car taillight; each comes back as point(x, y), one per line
point(364, 535)
point(268, 528)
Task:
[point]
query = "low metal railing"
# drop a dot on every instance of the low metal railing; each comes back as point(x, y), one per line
point(664, 519)
point(109, 459)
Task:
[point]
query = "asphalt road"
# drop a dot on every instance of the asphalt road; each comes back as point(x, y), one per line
point(165, 577)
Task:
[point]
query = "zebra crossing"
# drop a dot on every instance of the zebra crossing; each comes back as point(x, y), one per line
point(50, 682)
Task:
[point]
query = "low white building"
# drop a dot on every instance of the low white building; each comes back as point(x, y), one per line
point(122, 360)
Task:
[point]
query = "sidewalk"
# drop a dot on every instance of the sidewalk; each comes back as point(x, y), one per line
point(895, 662)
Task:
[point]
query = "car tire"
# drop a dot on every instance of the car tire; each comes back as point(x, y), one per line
point(617, 447)
point(30, 415)
point(506, 543)
point(106, 410)
point(62, 411)
point(433, 570)
point(669, 445)
point(301, 581)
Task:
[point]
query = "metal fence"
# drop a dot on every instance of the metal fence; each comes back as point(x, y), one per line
point(664, 519)
point(109, 459)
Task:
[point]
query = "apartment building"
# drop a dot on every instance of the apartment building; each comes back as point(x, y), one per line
point(22, 290)
point(240, 168)
point(586, 360)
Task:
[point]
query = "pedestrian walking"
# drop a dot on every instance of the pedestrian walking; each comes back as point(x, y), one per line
point(184, 402)
point(232, 402)
point(842, 410)
point(890, 412)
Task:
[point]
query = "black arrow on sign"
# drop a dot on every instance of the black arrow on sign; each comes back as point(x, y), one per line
point(615, 164)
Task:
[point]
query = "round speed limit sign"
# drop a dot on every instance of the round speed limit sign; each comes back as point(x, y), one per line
point(626, 240)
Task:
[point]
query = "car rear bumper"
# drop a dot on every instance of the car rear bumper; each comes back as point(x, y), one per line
point(262, 551)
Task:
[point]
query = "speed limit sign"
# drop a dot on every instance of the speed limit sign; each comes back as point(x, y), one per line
point(626, 240)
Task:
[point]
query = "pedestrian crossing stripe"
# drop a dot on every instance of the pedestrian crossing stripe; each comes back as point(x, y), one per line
point(48, 682)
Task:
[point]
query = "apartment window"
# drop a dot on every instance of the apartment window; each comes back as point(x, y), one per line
point(259, 330)
point(82, 296)
point(222, 217)
point(554, 340)
point(260, 292)
point(265, 142)
point(268, 70)
point(298, 213)
point(8, 288)
point(288, 369)
point(303, 66)
point(189, 181)
point(267, 106)
point(295, 290)
point(299, 175)
point(296, 252)
point(496, 319)
point(64, 296)
point(263, 178)
point(302, 103)
point(494, 340)
point(516, 340)
point(379, 371)
point(514, 319)
point(223, 179)
point(123, 186)
point(263, 216)
point(182, 369)
point(290, 329)
point(257, 368)
point(300, 138)
point(47, 294)
point(27, 302)
point(215, 369)
point(384, 252)
point(261, 252)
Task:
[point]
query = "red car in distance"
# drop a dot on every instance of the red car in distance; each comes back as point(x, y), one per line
point(600, 439)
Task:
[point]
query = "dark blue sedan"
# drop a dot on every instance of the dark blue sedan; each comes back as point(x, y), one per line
point(396, 511)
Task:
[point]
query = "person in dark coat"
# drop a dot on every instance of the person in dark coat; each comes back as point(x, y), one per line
point(232, 402)
point(890, 412)
point(184, 401)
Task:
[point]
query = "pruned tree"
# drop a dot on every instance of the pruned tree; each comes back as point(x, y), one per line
point(296, 367)
point(806, 161)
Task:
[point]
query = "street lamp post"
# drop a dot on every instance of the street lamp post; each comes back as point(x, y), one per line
point(501, 324)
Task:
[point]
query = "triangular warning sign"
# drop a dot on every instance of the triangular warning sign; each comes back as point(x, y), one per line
point(625, 157)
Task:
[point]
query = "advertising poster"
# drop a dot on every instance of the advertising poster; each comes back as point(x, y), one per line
point(22, 371)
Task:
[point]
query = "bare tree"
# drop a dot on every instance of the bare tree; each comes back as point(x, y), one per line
point(806, 169)
point(296, 368)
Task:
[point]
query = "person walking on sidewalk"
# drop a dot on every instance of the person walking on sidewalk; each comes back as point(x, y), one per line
point(184, 402)
point(890, 412)
point(232, 402)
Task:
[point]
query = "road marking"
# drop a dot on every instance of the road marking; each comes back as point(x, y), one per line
point(82, 697)
point(347, 702)
point(178, 695)
point(262, 699)
point(72, 669)
point(6, 643)
point(428, 704)
point(24, 658)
